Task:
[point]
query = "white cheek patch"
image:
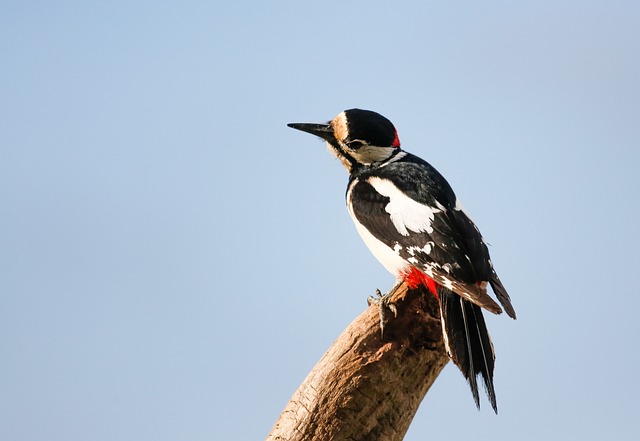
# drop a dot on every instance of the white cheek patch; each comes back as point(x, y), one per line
point(405, 213)
point(371, 154)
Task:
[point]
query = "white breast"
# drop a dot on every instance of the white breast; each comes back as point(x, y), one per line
point(388, 257)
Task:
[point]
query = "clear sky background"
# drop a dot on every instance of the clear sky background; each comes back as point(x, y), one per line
point(174, 259)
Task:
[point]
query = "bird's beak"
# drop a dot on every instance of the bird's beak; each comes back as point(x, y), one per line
point(324, 131)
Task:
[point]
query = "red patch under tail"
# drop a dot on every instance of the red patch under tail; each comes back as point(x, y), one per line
point(415, 278)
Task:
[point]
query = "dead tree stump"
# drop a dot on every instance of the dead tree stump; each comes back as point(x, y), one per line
point(366, 388)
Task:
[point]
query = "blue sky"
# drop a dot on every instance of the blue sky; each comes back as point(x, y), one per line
point(175, 259)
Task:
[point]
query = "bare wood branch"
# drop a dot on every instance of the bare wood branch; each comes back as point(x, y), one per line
point(365, 388)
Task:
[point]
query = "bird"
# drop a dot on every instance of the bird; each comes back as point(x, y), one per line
point(411, 220)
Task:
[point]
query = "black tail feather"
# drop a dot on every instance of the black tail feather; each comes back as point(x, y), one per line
point(501, 294)
point(468, 343)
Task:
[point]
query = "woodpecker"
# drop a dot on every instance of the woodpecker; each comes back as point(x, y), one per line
point(410, 219)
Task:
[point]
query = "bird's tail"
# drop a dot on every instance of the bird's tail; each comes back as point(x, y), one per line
point(467, 341)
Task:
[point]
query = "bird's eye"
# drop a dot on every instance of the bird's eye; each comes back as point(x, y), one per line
point(356, 144)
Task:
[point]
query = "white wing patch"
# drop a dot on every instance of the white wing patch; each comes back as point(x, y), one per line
point(406, 214)
point(425, 249)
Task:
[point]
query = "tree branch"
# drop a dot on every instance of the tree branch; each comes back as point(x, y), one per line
point(365, 388)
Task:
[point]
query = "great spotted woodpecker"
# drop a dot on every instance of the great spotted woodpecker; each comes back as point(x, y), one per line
point(409, 217)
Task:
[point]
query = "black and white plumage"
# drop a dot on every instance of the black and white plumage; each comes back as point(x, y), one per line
point(409, 217)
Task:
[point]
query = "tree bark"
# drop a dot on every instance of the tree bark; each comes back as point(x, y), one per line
point(367, 388)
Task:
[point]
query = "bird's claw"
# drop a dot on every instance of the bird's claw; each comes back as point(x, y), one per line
point(384, 306)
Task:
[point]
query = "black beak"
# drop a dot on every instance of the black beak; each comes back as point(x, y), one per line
point(324, 131)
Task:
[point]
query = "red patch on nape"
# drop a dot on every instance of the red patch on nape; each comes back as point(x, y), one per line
point(415, 278)
point(396, 140)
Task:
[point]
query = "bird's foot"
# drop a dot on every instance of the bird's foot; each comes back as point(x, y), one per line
point(384, 306)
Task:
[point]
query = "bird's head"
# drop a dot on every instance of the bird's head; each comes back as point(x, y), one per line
point(356, 137)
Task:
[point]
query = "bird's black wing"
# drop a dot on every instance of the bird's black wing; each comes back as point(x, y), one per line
point(411, 208)
point(479, 256)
